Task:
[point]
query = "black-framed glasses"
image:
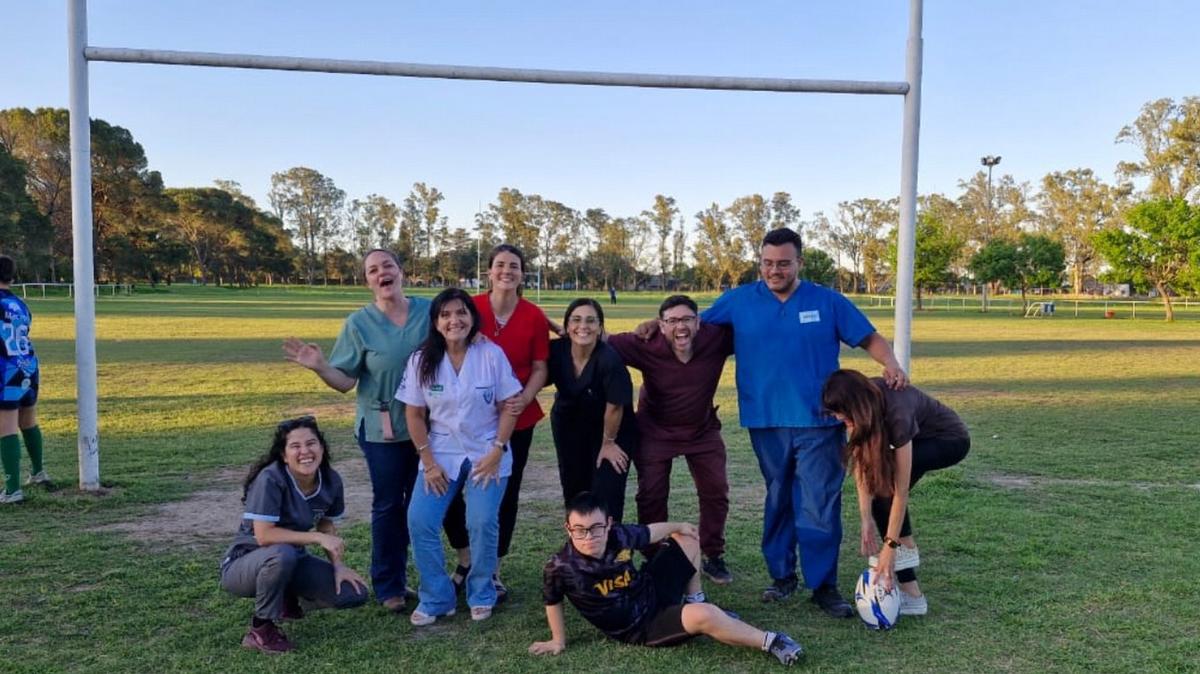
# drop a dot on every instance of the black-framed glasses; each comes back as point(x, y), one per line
point(583, 533)
point(289, 425)
point(680, 320)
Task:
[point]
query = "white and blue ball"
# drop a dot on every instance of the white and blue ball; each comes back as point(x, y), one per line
point(878, 608)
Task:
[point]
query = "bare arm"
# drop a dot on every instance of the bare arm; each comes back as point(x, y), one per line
point(881, 352)
point(267, 533)
point(341, 572)
point(869, 543)
point(660, 530)
point(610, 451)
point(887, 556)
point(435, 478)
point(558, 633)
point(537, 380)
point(309, 355)
point(489, 466)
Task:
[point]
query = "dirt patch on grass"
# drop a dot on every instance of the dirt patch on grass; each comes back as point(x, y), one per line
point(1016, 481)
point(213, 513)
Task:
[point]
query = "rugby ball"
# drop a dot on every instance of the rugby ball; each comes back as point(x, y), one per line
point(878, 608)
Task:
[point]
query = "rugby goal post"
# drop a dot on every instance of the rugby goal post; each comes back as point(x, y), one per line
point(80, 53)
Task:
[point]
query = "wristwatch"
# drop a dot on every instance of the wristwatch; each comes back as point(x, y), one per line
point(502, 445)
point(891, 542)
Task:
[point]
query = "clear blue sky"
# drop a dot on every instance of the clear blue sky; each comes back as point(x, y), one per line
point(1047, 85)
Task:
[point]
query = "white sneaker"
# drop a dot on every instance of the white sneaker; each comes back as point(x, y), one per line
point(15, 497)
point(910, 605)
point(906, 558)
point(421, 619)
point(39, 477)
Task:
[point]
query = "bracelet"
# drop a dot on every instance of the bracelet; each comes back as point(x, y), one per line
point(502, 445)
point(612, 439)
point(422, 448)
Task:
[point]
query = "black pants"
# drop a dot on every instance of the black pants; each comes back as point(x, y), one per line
point(455, 523)
point(928, 454)
point(578, 446)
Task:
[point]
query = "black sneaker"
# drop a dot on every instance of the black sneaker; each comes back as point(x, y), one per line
point(831, 602)
point(715, 569)
point(785, 649)
point(780, 589)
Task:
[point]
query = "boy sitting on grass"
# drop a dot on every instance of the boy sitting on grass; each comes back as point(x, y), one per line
point(660, 604)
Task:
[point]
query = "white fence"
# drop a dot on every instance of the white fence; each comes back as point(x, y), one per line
point(1075, 308)
point(110, 289)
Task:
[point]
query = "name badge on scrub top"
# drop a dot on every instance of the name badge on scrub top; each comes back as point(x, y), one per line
point(813, 316)
point(436, 391)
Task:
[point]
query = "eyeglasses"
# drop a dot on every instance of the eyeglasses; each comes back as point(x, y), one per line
point(781, 265)
point(679, 320)
point(583, 533)
point(289, 425)
point(588, 320)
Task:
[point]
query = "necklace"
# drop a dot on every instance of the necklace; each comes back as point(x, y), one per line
point(501, 323)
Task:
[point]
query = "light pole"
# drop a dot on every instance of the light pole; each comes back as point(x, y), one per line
point(989, 161)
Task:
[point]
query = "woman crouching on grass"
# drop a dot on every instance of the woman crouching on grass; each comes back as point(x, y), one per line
point(893, 438)
point(290, 491)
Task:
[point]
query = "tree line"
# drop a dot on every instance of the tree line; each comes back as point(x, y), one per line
point(1071, 227)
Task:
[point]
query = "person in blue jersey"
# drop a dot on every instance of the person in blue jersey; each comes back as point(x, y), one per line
point(786, 337)
point(18, 400)
point(292, 497)
point(369, 356)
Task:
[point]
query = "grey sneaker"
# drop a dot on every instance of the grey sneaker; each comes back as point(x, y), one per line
point(906, 558)
point(910, 605)
point(785, 649)
point(39, 478)
point(780, 589)
point(15, 497)
point(715, 569)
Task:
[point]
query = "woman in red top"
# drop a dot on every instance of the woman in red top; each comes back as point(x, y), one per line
point(520, 328)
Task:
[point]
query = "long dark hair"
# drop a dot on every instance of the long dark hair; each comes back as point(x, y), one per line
point(279, 443)
point(433, 349)
point(851, 394)
point(509, 248)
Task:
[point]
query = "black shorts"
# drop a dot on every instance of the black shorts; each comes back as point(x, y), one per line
point(669, 571)
point(20, 388)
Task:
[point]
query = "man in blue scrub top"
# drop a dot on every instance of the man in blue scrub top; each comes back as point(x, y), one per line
point(787, 334)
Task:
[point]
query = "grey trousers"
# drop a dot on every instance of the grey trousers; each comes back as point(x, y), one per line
point(273, 573)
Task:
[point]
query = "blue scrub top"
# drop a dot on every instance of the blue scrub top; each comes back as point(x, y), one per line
point(786, 350)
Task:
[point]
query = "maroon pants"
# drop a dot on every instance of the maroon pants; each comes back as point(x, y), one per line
point(706, 461)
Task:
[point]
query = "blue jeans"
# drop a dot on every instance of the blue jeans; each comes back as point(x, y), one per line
point(393, 470)
point(803, 471)
point(425, 516)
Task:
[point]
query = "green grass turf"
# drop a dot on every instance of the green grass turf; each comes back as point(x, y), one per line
point(1061, 543)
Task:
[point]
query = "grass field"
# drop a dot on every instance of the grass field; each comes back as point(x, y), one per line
point(1061, 543)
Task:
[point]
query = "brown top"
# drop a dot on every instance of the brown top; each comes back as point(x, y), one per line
point(912, 414)
point(675, 403)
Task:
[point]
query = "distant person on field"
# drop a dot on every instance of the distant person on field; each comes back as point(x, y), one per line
point(612, 294)
point(369, 356)
point(681, 368)
point(660, 603)
point(894, 438)
point(292, 498)
point(18, 401)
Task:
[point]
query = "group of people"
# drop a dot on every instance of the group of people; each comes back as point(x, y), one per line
point(446, 409)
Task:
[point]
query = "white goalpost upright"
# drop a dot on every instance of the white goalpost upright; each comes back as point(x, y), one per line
point(80, 53)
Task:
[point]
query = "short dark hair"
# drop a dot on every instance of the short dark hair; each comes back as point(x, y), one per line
point(584, 301)
point(586, 503)
point(677, 301)
point(782, 237)
point(8, 269)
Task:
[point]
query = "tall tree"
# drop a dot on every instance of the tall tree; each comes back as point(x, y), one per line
point(750, 215)
point(935, 251)
point(1075, 205)
point(785, 214)
point(511, 214)
point(859, 231)
point(310, 203)
point(662, 217)
point(719, 249)
point(1168, 136)
point(1158, 246)
point(426, 201)
point(818, 267)
point(23, 229)
point(41, 140)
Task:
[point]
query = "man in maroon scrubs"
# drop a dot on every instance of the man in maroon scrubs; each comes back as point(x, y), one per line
point(681, 367)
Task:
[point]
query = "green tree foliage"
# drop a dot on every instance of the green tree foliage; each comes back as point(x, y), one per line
point(430, 228)
point(1168, 136)
point(784, 213)
point(1074, 206)
point(818, 267)
point(936, 249)
point(310, 204)
point(662, 216)
point(859, 234)
point(23, 229)
point(750, 217)
point(720, 251)
point(1158, 246)
point(1028, 261)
